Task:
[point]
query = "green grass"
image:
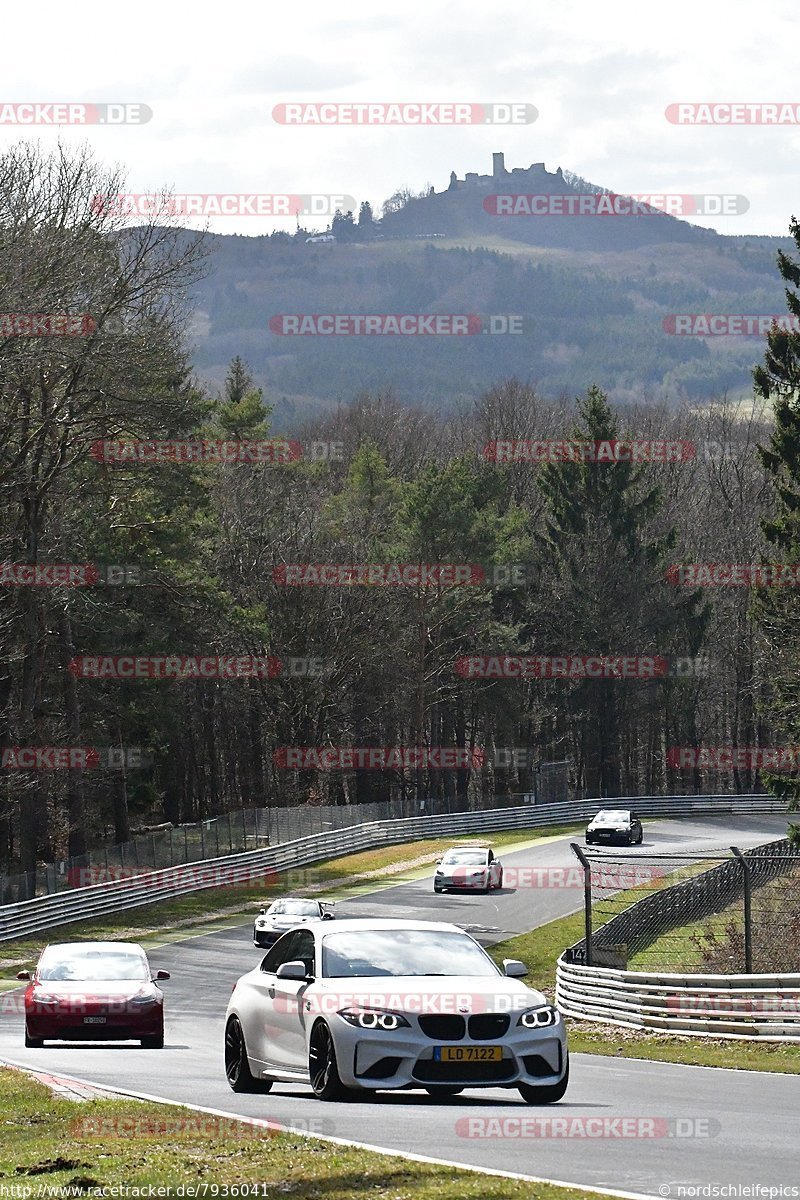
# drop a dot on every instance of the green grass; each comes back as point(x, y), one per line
point(58, 1142)
point(752, 1055)
point(221, 907)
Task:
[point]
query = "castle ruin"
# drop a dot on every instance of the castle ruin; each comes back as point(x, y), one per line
point(517, 175)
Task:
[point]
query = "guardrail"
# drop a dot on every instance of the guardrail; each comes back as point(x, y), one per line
point(45, 912)
point(766, 1007)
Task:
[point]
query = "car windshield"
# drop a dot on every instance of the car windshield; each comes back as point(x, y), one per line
point(366, 952)
point(81, 966)
point(616, 818)
point(294, 908)
point(470, 857)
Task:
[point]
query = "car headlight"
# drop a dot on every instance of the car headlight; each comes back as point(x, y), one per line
point(44, 998)
point(439, 871)
point(539, 1018)
point(623, 829)
point(373, 1018)
point(144, 998)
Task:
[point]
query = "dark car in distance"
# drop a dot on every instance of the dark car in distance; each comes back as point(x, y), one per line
point(612, 825)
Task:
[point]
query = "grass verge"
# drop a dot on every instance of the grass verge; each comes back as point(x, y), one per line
point(216, 907)
point(58, 1142)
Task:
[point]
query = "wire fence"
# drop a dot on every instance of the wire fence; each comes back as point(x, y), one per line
point(734, 912)
point(232, 833)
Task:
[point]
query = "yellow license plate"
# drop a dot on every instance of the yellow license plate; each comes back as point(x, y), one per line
point(468, 1053)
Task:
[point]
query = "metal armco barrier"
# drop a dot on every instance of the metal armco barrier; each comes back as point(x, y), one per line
point(766, 1007)
point(117, 895)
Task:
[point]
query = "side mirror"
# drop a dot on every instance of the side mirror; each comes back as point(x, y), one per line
point(514, 968)
point(162, 975)
point(327, 916)
point(26, 975)
point(293, 970)
point(261, 911)
point(438, 862)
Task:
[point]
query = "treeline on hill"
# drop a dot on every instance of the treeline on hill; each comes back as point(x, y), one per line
point(581, 319)
point(398, 485)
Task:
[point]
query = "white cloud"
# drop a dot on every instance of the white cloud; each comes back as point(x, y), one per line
point(600, 76)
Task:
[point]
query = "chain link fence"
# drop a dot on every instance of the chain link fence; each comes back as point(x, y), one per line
point(734, 912)
point(231, 833)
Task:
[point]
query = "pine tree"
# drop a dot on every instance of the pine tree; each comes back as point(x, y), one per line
point(779, 379)
point(607, 592)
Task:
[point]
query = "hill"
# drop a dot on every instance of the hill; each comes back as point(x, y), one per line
point(592, 294)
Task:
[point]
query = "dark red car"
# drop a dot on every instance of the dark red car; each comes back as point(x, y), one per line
point(94, 991)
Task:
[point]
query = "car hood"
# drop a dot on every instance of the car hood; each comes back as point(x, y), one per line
point(605, 824)
point(427, 994)
point(286, 922)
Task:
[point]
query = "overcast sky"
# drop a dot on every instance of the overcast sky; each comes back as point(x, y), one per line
point(600, 76)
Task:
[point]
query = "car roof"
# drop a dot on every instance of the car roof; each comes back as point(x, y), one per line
point(300, 899)
point(131, 947)
point(364, 924)
point(467, 846)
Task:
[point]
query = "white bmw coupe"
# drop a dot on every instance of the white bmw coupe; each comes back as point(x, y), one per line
point(372, 1004)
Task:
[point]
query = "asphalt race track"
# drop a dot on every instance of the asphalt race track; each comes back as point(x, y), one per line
point(717, 1127)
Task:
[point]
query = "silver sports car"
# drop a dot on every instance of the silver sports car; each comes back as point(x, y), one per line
point(369, 1004)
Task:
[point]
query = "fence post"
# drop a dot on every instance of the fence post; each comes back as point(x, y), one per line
point(748, 913)
point(230, 832)
point(587, 898)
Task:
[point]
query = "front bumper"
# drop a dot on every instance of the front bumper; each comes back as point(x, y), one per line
point(609, 837)
point(460, 883)
point(71, 1023)
point(405, 1058)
